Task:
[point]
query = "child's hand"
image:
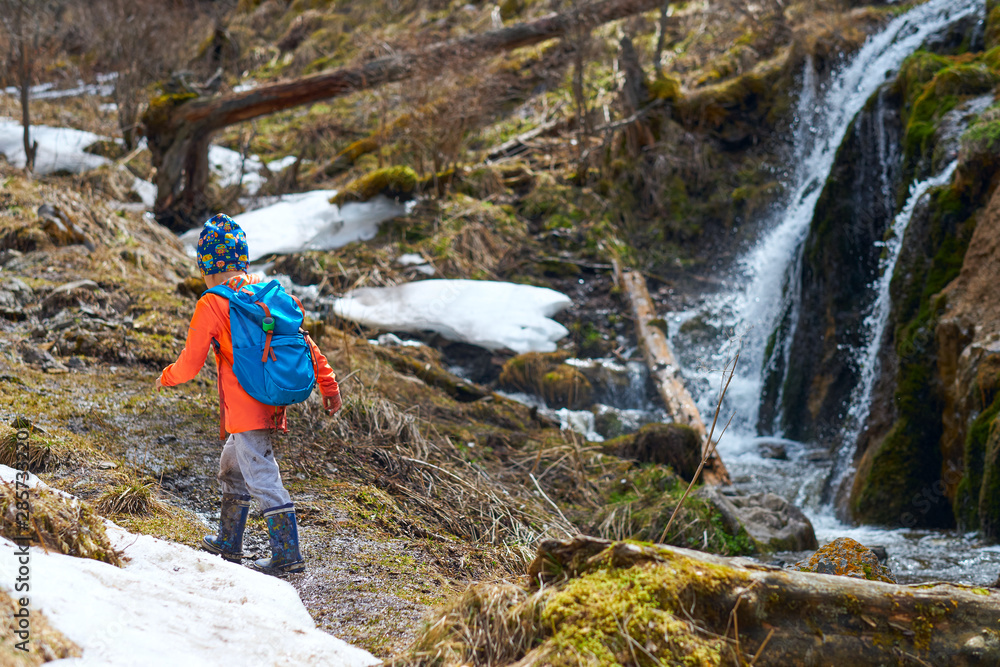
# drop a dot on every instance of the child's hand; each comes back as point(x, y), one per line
point(332, 403)
point(159, 383)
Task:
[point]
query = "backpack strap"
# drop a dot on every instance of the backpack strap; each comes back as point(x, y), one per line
point(268, 350)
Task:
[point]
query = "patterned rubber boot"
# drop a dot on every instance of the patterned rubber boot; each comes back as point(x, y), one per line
point(232, 522)
point(284, 535)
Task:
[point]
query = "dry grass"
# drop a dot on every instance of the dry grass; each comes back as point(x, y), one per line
point(441, 490)
point(38, 451)
point(57, 522)
point(47, 643)
point(129, 497)
point(490, 624)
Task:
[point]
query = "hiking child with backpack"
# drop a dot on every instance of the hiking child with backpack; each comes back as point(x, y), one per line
point(265, 362)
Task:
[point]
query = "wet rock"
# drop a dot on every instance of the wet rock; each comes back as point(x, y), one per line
point(669, 444)
point(774, 450)
point(8, 255)
point(615, 384)
point(78, 294)
point(14, 295)
point(847, 558)
point(61, 228)
point(773, 522)
point(37, 356)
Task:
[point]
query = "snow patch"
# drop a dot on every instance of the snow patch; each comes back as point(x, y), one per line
point(308, 221)
point(489, 314)
point(60, 149)
point(172, 605)
point(48, 91)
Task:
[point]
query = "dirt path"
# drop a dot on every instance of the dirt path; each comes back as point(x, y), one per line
point(363, 586)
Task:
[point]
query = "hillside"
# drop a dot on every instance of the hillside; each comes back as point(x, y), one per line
point(480, 425)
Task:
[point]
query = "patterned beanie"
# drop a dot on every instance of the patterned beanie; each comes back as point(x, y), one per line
point(222, 246)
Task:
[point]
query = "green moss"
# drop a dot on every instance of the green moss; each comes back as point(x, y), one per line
point(665, 88)
point(992, 33)
point(989, 492)
point(639, 501)
point(397, 182)
point(966, 503)
point(596, 616)
point(157, 114)
point(930, 86)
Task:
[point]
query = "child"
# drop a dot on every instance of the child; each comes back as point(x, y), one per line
point(247, 466)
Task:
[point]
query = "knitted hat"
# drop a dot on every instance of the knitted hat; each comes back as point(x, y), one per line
point(222, 246)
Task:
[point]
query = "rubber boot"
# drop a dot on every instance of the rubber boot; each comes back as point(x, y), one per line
point(232, 522)
point(284, 536)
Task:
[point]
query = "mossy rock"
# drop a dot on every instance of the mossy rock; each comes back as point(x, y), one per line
point(544, 374)
point(399, 183)
point(673, 445)
point(845, 557)
point(981, 438)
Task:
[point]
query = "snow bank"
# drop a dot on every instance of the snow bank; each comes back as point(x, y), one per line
point(47, 91)
point(172, 605)
point(59, 148)
point(308, 220)
point(490, 314)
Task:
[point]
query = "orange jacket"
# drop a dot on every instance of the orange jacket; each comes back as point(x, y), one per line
point(238, 411)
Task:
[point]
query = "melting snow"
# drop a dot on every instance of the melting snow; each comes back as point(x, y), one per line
point(227, 164)
point(489, 314)
point(59, 148)
point(172, 605)
point(47, 91)
point(308, 220)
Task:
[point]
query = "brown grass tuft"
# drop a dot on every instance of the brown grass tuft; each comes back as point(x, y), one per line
point(489, 624)
point(56, 522)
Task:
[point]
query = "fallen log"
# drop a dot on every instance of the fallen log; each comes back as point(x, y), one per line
point(597, 602)
point(784, 617)
point(664, 371)
point(178, 128)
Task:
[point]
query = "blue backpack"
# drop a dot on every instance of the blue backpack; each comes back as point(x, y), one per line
point(271, 357)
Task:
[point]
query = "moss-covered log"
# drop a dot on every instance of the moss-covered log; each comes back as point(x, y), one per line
point(178, 130)
point(642, 604)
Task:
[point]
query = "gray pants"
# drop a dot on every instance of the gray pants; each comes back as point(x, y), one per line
point(247, 466)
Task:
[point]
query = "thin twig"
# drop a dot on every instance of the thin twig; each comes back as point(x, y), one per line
point(568, 522)
point(761, 649)
point(710, 450)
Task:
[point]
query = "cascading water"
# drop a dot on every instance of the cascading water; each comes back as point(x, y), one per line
point(824, 118)
point(764, 308)
point(875, 325)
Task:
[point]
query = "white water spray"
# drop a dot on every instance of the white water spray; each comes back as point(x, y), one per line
point(771, 270)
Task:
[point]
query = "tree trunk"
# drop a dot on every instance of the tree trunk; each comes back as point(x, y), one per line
point(663, 368)
point(24, 71)
point(789, 618)
point(178, 126)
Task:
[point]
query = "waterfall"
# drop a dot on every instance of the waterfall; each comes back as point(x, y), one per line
point(875, 326)
point(766, 304)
